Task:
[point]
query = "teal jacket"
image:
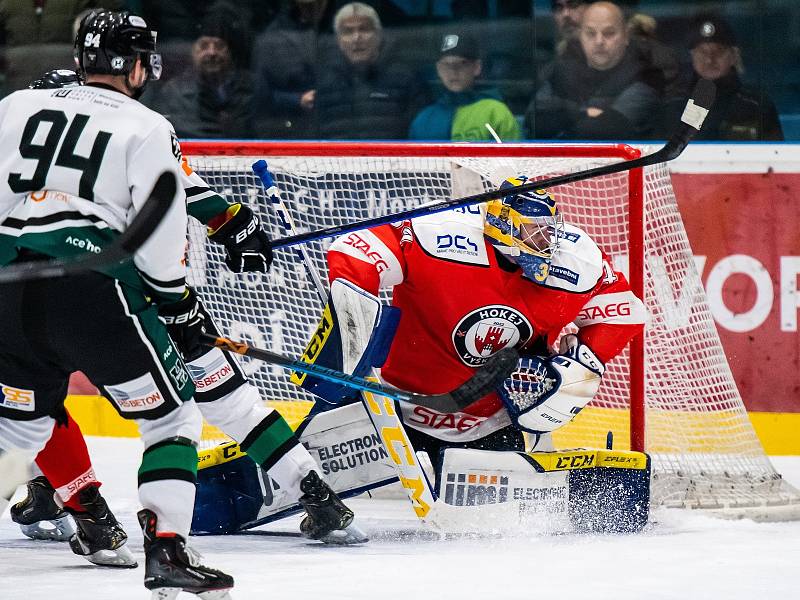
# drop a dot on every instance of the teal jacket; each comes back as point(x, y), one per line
point(463, 116)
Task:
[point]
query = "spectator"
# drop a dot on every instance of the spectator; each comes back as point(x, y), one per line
point(214, 99)
point(364, 94)
point(740, 112)
point(464, 109)
point(284, 63)
point(567, 16)
point(600, 92)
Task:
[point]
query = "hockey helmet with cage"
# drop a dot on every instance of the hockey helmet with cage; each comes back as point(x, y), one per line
point(55, 79)
point(525, 228)
point(109, 42)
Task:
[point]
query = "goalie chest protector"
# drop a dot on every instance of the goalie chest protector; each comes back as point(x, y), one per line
point(459, 306)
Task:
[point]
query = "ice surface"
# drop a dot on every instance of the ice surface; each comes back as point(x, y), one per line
point(683, 555)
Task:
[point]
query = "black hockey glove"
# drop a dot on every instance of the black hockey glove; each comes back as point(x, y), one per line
point(246, 245)
point(184, 321)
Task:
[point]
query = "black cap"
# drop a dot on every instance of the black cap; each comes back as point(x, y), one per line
point(711, 28)
point(459, 44)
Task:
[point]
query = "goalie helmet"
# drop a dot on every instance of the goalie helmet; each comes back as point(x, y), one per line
point(109, 43)
point(525, 228)
point(55, 79)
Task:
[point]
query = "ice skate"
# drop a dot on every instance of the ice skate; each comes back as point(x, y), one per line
point(328, 519)
point(171, 567)
point(38, 515)
point(99, 537)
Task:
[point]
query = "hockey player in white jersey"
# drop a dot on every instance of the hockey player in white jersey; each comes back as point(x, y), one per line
point(224, 396)
point(77, 165)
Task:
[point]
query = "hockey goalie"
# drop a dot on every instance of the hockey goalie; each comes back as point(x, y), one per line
point(465, 284)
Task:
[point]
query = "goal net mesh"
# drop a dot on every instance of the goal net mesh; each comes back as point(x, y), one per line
point(705, 452)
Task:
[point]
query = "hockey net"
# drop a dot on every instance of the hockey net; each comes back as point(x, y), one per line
point(676, 380)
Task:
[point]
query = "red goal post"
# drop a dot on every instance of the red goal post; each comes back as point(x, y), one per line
point(670, 393)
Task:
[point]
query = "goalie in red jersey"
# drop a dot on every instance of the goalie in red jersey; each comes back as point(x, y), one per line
point(467, 283)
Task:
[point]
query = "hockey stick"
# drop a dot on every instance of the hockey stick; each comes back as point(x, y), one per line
point(692, 119)
point(485, 380)
point(135, 235)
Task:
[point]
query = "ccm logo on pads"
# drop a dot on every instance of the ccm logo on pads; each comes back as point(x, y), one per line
point(136, 395)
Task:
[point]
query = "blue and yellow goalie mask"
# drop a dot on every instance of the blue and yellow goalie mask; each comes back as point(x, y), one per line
point(525, 228)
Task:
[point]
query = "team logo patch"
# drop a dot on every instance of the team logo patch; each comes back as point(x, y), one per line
point(16, 398)
point(488, 329)
point(136, 395)
point(210, 376)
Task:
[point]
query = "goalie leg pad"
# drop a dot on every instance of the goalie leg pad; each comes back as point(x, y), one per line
point(354, 335)
point(234, 493)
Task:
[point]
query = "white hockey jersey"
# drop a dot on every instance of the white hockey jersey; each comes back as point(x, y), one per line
point(76, 166)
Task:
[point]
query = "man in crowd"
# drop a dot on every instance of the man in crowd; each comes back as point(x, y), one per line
point(740, 113)
point(364, 94)
point(602, 92)
point(214, 98)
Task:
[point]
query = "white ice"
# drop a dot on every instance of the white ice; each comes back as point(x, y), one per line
point(683, 556)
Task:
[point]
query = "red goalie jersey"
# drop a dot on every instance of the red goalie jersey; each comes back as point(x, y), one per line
point(460, 304)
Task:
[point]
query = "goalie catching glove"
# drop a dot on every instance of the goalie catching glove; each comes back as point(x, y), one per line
point(545, 394)
point(246, 245)
point(184, 321)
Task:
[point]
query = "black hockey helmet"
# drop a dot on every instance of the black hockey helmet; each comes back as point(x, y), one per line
point(108, 42)
point(57, 78)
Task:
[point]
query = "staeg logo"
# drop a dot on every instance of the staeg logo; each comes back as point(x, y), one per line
point(426, 417)
point(590, 313)
point(16, 398)
point(359, 243)
point(488, 329)
point(473, 489)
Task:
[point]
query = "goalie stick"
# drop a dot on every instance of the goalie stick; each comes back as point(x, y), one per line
point(135, 235)
point(697, 108)
point(497, 368)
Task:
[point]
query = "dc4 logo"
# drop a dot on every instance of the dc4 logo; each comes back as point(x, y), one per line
point(461, 242)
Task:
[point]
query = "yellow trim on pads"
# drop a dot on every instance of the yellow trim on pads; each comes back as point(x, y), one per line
point(777, 431)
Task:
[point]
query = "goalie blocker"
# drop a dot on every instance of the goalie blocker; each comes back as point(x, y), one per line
point(588, 490)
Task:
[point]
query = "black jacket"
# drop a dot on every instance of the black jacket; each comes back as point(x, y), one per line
point(197, 110)
point(373, 102)
point(625, 93)
point(740, 113)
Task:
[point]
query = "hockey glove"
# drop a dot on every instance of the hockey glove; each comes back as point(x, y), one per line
point(246, 244)
point(184, 321)
point(545, 394)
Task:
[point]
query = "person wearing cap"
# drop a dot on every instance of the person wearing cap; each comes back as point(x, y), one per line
point(740, 113)
point(602, 90)
point(214, 98)
point(464, 110)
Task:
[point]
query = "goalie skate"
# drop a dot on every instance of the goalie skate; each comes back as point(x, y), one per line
point(38, 515)
point(171, 567)
point(328, 519)
point(99, 537)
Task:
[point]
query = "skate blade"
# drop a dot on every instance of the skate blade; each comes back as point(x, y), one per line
point(60, 531)
point(345, 537)
point(170, 593)
point(121, 557)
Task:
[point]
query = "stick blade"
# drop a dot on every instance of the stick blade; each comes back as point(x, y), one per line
point(485, 380)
